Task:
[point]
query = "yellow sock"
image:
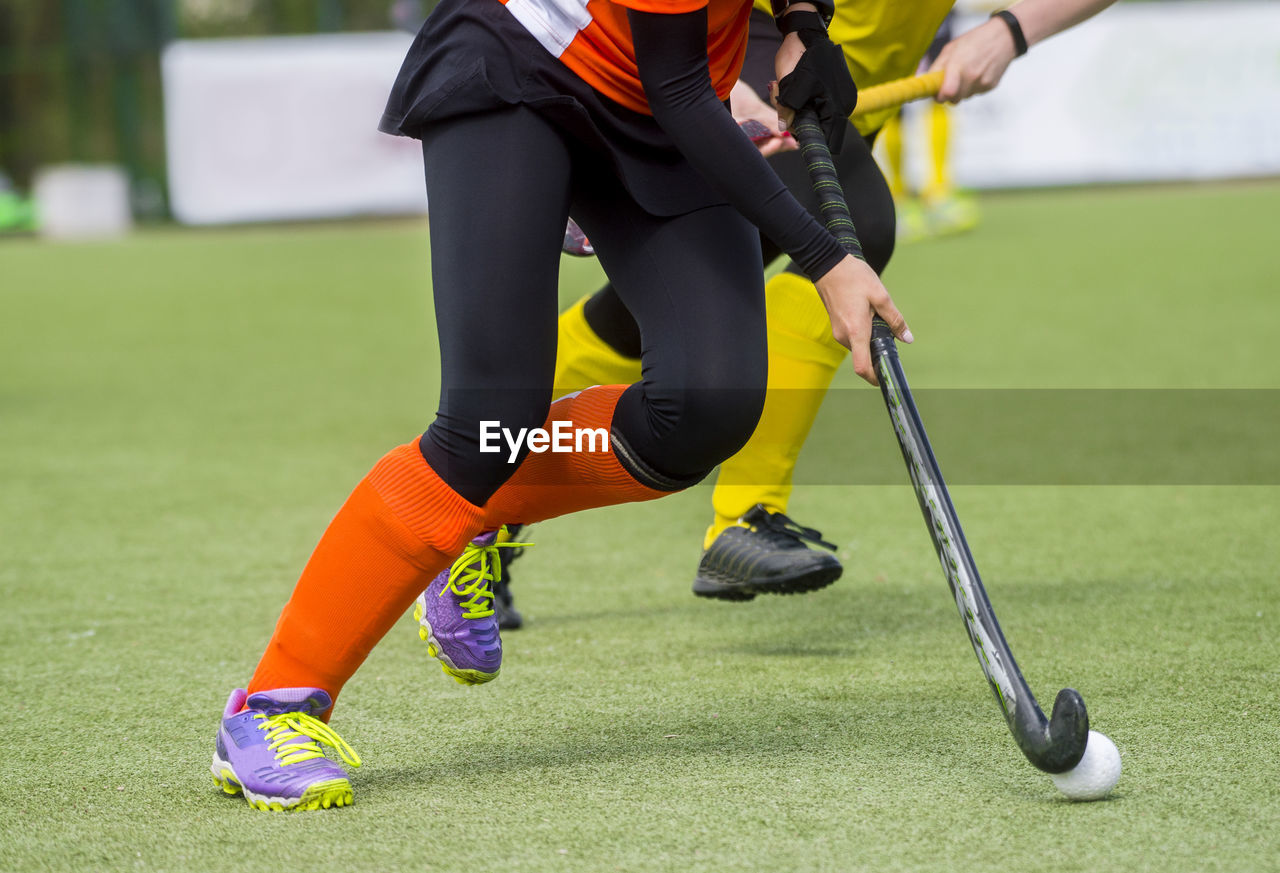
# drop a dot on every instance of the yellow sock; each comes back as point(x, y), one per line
point(583, 359)
point(803, 357)
point(891, 133)
point(939, 151)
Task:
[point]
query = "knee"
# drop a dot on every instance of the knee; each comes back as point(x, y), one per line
point(727, 419)
point(697, 428)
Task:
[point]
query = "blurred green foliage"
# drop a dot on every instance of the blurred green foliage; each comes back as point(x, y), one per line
point(80, 79)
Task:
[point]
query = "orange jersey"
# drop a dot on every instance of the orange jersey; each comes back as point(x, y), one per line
point(593, 38)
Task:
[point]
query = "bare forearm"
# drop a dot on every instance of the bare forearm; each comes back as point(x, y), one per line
point(975, 61)
point(671, 55)
point(1042, 19)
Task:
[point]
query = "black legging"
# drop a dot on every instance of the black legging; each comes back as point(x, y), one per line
point(870, 203)
point(870, 206)
point(692, 283)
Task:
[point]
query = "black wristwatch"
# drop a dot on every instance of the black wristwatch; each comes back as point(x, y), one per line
point(1015, 28)
point(826, 9)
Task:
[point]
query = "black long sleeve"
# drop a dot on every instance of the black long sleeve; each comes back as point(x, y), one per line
point(671, 54)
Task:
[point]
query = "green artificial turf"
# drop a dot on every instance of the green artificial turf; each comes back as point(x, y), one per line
point(182, 412)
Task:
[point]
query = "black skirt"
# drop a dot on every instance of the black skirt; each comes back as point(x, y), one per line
point(473, 56)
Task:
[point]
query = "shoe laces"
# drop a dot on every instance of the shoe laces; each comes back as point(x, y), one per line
point(506, 534)
point(283, 727)
point(777, 526)
point(473, 574)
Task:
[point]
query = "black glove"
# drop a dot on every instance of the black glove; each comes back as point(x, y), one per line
point(821, 80)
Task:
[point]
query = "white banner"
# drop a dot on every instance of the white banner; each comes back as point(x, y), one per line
point(1144, 91)
point(286, 128)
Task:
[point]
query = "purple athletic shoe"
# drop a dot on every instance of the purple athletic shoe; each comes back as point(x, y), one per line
point(271, 752)
point(455, 614)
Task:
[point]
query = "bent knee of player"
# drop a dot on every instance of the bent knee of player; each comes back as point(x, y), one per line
point(699, 428)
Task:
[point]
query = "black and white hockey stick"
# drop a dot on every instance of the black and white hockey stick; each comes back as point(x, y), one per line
point(1055, 744)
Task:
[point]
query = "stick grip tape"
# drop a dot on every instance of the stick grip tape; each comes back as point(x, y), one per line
point(825, 181)
point(897, 92)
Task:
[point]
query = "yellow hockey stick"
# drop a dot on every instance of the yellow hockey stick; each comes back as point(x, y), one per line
point(897, 92)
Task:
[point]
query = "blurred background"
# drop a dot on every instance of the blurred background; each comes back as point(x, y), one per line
point(84, 82)
point(222, 111)
point(188, 394)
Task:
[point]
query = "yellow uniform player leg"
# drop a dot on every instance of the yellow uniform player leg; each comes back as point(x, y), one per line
point(939, 151)
point(803, 358)
point(891, 136)
point(947, 210)
point(910, 216)
point(583, 359)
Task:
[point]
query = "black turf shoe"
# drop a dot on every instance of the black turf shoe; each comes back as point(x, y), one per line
point(769, 556)
point(509, 618)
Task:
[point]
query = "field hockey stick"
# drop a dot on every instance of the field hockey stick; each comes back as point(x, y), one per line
point(1056, 744)
point(897, 92)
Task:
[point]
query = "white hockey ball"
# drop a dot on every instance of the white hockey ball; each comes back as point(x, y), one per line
point(1095, 775)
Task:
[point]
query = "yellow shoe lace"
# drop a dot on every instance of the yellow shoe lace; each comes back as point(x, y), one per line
point(472, 575)
point(285, 726)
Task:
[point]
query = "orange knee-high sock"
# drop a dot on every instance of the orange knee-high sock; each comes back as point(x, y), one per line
point(400, 527)
point(557, 483)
